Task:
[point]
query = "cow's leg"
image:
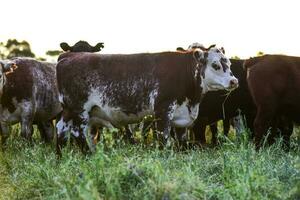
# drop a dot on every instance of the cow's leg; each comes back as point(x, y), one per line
point(27, 116)
point(199, 130)
point(26, 127)
point(163, 126)
point(128, 136)
point(250, 124)
point(226, 126)
point(4, 133)
point(95, 133)
point(84, 136)
point(62, 127)
point(262, 122)
point(238, 124)
point(180, 135)
point(285, 127)
point(46, 131)
point(214, 132)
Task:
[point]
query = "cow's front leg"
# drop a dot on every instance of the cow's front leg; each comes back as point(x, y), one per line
point(26, 127)
point(46, 130)
point(163, 117)
point(4, 132)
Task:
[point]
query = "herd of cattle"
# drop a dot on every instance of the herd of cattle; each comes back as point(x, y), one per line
point(86, 91)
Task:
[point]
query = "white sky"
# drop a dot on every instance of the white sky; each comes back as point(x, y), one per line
point(243, 27)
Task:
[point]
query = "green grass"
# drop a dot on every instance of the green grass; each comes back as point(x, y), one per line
point(234, 170)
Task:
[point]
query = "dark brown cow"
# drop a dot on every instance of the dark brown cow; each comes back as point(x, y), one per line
point(28, 95)
point(116, 90)
point(274, 83)
point(82, 46)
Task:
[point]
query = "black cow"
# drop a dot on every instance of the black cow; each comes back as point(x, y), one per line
point(82, 46)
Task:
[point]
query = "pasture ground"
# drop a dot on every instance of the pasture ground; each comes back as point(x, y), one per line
point(234, 170)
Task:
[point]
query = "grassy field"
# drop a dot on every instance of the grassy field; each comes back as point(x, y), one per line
point(234, 170)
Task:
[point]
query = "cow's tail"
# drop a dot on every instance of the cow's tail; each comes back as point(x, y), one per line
point(252, 61)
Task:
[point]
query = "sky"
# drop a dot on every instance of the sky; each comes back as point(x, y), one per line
point(242, 27)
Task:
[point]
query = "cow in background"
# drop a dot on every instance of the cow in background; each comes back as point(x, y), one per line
point(274, 83)
point(29, 95)
point(82, 46)
point(116, 90)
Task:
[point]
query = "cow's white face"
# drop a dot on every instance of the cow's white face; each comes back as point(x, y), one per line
point(6, 67)
point(216, 73)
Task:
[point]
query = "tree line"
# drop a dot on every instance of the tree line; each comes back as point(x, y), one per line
point(15, 48)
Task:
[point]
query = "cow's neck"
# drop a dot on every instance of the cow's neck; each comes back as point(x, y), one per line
point(194, 91)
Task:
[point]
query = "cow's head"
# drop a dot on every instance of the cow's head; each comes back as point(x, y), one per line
point(215, 70)
point(6, 67)
point(81, 46)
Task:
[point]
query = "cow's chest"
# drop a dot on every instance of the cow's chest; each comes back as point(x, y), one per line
point(183, 115)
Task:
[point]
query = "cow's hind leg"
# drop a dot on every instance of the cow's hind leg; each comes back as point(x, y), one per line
point(46, 131)
point(27, 120)
point(262, 122)
point(214, 133)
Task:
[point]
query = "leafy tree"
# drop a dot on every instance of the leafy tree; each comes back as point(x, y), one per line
point(235, 57)
point(14, 48)
point(260, 53)
point(53, 53)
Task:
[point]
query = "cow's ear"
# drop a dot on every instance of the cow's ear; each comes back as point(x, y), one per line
point(65, 46)
point(222, 50)
point(180, 49)
point(8, 66)
point(200, 56)
point(98, 47)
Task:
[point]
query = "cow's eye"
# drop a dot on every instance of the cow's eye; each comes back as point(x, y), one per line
point(216, 66)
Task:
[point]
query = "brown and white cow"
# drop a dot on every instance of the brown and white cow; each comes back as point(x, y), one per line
point(116, 90)
point(274, 83)
point(28, 94)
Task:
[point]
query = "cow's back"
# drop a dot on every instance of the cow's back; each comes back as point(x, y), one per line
point(35, 82)
point(129, 79)
point(275, 79)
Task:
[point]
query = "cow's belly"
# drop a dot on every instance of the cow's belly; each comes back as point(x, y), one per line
point(182, 116)
point(10, 117)
point(24, 109)
point(114, 117)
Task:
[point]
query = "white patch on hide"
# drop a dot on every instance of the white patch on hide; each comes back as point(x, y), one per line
point(63, 127)
point(61, 98)
point(106, 115)
point(23, 109)
point(181, 116)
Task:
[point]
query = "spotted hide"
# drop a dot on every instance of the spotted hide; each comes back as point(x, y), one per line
point(29, 95)
point(116, 90)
